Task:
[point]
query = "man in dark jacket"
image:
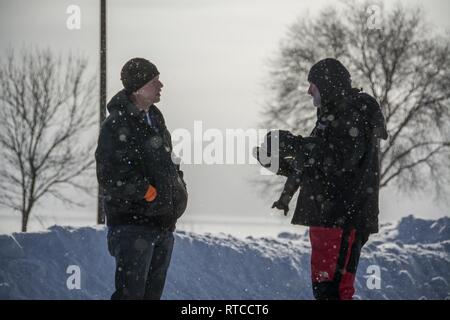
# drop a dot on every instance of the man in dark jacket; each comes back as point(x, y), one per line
point(337, 170)
point(142, 189)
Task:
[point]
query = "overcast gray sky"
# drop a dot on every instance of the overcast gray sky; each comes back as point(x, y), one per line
point(212, 55)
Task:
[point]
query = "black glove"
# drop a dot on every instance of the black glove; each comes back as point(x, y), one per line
point(283, 203)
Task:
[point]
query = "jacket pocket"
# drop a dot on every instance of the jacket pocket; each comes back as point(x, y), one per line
point(161, 205)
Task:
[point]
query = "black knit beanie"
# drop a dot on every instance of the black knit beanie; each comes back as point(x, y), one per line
point(136, 73)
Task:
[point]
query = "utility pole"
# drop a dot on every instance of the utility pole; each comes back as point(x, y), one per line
point(100, 213)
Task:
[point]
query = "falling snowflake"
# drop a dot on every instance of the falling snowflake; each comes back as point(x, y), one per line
point(156, 142)
point(353, 132)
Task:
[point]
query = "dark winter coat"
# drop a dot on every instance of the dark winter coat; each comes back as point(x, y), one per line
point(132, 155)
point(339, 162)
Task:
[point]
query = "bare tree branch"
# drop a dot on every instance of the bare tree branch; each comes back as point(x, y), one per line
point(405, 65)
point(46, 107)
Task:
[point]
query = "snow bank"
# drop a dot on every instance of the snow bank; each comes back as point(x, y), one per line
point(412, 258)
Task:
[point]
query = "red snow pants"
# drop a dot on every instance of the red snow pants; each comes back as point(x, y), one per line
point(334, 259)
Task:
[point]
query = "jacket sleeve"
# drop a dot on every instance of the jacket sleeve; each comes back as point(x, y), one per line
point(175, 159)
point(291, 186)
point(118, 165)
point(339, 151)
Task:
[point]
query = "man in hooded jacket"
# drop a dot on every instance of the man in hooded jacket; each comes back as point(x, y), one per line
point(337, 170)
point(142, 190)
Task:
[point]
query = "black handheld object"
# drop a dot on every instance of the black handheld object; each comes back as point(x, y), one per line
point(277, 151)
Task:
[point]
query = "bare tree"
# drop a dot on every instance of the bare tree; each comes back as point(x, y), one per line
point(46, 111)
point(401, 61)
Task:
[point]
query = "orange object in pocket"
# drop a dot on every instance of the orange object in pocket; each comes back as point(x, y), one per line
point(150, 194)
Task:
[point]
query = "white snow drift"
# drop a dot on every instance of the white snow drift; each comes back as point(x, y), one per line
point(408, 260)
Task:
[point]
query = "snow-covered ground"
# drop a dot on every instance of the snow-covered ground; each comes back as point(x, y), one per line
point(412, 258)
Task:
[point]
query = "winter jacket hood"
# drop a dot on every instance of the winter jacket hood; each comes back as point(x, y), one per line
point(334, 83)
point(331, 78)
point(371, 111)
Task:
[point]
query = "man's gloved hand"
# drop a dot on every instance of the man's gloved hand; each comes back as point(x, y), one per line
point(283, 203)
